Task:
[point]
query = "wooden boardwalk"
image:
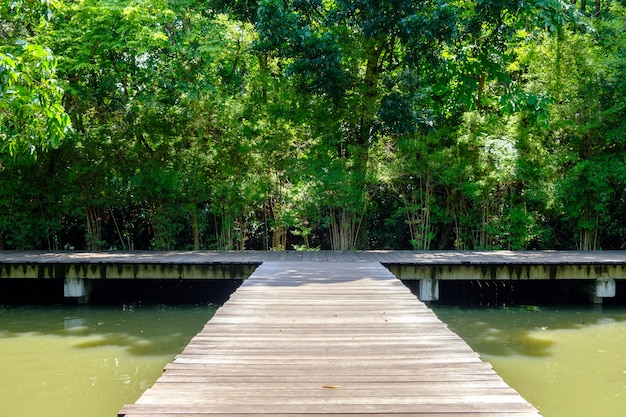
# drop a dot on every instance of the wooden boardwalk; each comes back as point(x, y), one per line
point(257, 257)
point(410, 265)
point(334, 339)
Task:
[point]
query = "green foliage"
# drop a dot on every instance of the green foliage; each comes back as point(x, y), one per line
point(579, 69)
point(311, 124)
point(32, 118)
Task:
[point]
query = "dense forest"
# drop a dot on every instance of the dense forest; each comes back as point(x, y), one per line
point(312, 124)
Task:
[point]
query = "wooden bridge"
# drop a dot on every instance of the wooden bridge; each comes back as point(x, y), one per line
point(338, 338)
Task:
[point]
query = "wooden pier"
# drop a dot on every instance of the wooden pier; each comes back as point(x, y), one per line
point(417, 265)
point(81, 271)
point(335, 338)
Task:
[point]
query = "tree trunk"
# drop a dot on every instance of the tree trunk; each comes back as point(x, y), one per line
point(241, 233)
point(279, 238)
point(279, 231)
point(117, 228)
point(195, 230)
point(417, 209)
point(588, 232)
point(344, 229)
point(94, 228)
point(481, 91)
point(224, 232)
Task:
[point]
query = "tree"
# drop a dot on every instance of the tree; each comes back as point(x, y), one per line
point(32, 118)
point(337, 56)
point(341, 124)
point(579, 71)
point(139, 76)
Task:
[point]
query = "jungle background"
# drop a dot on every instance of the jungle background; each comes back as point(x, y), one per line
point(312, 124)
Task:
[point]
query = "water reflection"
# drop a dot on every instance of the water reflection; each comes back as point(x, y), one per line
point(569, 362)
point(144, 331)
point(74, 324)
point(521, 330)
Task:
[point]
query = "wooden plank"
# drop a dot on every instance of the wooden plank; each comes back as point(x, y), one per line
point(473, 414)
point(277, 383)
point(329, 397)
point(434, 407)
point(336, 338)
point(330, 256)
point(400, 257)
point(378, 368)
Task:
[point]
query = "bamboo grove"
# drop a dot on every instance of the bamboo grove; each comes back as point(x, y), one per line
point(312, 124)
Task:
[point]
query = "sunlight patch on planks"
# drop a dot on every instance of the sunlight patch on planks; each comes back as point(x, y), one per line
point(310, 339)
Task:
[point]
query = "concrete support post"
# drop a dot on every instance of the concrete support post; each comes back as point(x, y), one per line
point(429, 290)
point(605, 287)
point(77, 288)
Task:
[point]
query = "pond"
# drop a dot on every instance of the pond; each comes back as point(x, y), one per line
point(568, 362)
point(87, 361)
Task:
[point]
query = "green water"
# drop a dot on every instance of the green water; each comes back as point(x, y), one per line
point(568, 362)
point(87, 361)
point(90, 361)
